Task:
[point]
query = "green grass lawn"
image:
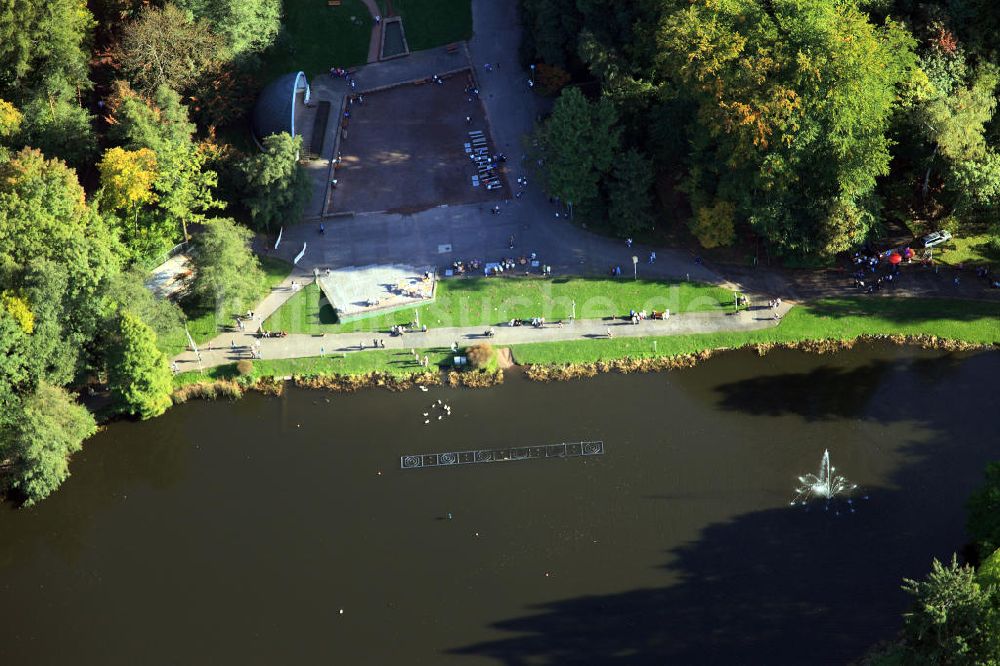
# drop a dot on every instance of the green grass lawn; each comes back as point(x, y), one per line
point(317, 37)
point(971, 321)
point(430, 23)
point(491, 301)
point(969, 250)
point(206, 324)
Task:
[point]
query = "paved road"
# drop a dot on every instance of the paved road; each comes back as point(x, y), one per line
point(232, 347)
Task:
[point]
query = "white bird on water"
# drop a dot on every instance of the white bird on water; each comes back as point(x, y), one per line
point(427, 421)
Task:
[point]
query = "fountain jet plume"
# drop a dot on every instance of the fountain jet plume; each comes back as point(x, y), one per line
point(824, 485)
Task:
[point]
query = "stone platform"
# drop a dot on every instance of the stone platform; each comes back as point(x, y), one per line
point(358, 292)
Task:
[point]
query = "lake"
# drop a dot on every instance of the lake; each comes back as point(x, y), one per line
point(282, 530)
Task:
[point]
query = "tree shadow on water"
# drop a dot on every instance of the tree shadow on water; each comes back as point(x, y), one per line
point(830, 392)
point(782, 586)
point(778, 586)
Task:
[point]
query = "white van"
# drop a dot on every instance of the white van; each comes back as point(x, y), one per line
point(936, 238)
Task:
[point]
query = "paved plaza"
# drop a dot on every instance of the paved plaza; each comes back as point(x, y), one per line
point(364, 291)
point(402, 149)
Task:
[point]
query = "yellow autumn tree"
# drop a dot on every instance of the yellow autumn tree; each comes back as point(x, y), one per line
point(127, 177)
point(10, 118)
point(714, 226)
point(17, 307)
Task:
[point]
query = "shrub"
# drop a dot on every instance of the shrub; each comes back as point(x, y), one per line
point(244, 366)
point(480, 355)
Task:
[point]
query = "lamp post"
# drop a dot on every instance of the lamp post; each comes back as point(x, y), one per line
point(635, 267)
point(532, 75)
point(573, 316)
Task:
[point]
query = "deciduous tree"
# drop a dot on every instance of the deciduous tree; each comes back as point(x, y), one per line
point(166, 47)
point(127, 177)
point(630, 200)
point(184, 185)
point(50, 427)
point(275, 186)
point(578, 146)
point(59, 127)
point(715, 225)
point(228, 275)
point(248, 26)
point(793, 101)
point(43, 47)
point(139, 375)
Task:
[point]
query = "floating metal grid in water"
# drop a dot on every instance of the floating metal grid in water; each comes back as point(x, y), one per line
point(564, 450)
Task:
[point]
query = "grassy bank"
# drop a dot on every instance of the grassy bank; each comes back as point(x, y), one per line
point(392, 368)
point(976, 322)
point(389, 361)
point(968, 250)
point(491, 301)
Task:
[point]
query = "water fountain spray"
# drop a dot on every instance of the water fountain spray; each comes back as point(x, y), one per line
point(825, 485)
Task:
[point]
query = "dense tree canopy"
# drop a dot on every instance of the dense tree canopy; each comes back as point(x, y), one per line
point(165, 47)
point(247, 25)
point(139, 374)
point(577, 146)
point(183, 184)
point(275, 186)
point(228, 276)
point(52, 427)
point(793, 103)
point(806, 117)
point(43, 47)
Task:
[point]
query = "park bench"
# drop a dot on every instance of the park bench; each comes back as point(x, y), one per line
point(452, 48)
point(333, 3)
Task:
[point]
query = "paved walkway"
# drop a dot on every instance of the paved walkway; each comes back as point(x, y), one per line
point(375, 43)
point(232, 347)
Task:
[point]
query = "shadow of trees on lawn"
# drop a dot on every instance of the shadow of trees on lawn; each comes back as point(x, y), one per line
point(906, 310)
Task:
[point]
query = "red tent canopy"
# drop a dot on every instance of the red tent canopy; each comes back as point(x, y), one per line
point(894, 258)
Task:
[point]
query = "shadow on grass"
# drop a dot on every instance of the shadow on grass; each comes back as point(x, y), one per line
point(473, 284)
point(906, 310)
